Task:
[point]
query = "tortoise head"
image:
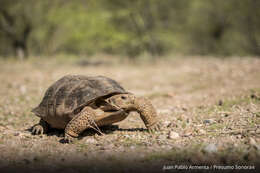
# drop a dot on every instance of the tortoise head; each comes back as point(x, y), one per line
point(122, 101)
point(129, 102)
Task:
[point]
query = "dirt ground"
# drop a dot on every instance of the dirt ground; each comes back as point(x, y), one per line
point(209, 110)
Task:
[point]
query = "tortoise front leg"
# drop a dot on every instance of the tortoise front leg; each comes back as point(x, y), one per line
point(78, 124)
point(40, 128)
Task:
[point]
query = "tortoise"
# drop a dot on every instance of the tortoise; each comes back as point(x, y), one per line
point(77, 102)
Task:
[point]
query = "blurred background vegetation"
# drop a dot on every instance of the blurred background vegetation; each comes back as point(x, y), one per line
point(129, 27)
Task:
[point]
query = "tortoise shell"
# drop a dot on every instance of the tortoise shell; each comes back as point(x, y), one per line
point(72, 92)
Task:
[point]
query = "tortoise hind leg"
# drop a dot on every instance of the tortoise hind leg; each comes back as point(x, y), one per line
point(78, 124)
point(40, 128)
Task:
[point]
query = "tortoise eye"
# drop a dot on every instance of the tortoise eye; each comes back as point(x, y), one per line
point(123, 97)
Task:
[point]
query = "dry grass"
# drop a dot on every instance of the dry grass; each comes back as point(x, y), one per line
point(204, 100)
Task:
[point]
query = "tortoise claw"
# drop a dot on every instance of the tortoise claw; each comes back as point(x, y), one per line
point(37, 130)
point(154, 128)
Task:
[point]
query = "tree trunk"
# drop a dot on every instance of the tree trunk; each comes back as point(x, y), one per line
point(20, 53)
point(17, 35)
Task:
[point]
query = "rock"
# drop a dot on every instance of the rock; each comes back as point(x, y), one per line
point(102, 148)
point(16, 134)
point(187, 132)
point(173, 135)
point(220, 102)
point(174, 119)
point(220, 121)
point(187, 135)
point(257, 130)
point(172, 125)
point(138, 136)
point(127, 136)
point(91, 141)
point(239, 136)
point(254, 96)
point(211, 148)
point(166, 123)
point(97, 137)
point(132, 147)
point(208, 121)
point(188, 120)
point(23, 89)
point(202, 132)
point(257, 147)
point(163, 111)
point(184, 109)
point(252, 141)
point(182, 118)
point(171, 94)
point(235, 145)
point(161, 137)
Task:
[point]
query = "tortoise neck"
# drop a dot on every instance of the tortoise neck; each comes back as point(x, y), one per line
point(146, 110)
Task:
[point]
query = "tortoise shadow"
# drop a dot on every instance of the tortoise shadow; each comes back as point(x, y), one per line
point(90, 132)
point(108, 130)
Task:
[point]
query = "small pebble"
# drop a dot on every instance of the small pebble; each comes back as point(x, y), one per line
point(253, 96)
point(172, 125)
point(91, 141)
point(184, 109)
point(187, 133)
point(127, 136)
point(239, 136)
point(132, 147)
point(252, 141)
point(102, 148)
point(164, 111)
point(220, 121)
point(23, 89)
point(161, 137)
point(211, 148)
point(166, 123)
point(208, 121)
point(173, 135)
point(16, 134)
point(257, 147)
point(201, 131)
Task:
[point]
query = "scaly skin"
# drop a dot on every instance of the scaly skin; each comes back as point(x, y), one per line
point(147, 112)
point(89, 118)
point(142, 105)
point(80, 122)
